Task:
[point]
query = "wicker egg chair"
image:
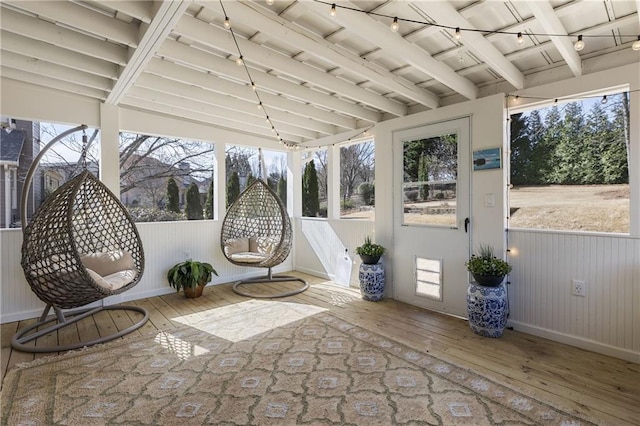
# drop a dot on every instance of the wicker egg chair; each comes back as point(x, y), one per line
point(256, 232)
point(80, 247)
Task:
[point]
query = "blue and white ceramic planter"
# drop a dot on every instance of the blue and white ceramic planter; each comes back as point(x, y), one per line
point(371, 281)
point(487, 309)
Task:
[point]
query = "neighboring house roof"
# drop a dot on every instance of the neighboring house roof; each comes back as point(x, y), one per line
point(10, 146)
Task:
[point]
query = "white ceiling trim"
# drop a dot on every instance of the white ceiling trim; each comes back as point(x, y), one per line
point(550, 22)
point(84, 19)
point(210, 82)
point(394, 45)
point(40, 80)
point(197, 58)
point(166, 17)
point(211, 36)
point(312, 44)
point(476, 42)
point(38, 29)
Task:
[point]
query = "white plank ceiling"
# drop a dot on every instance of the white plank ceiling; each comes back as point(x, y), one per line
point(320, 78)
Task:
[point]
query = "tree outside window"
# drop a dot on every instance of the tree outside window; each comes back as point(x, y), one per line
point(569, 166)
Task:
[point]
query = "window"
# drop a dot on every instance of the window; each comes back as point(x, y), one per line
point(430, 181)
point(569, 166)
point(165, 179)
point(244, 165)
point(62, 162)
point(314, 184)
point(357, 190)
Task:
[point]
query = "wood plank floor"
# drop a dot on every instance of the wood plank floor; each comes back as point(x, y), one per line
point(600, 387)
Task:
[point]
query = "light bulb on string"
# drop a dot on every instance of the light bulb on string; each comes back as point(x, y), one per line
point(240, 60)
point(395, 25)
point(270, 2)
point(579, 45)
point(520, 39)
point(458, 35)
point(604, 100)
point(227, 23)
point(636, 44)
point(254, 87)
point(260, 105)
point(333, 12)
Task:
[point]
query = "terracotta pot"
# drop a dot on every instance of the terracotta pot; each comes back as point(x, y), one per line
point(192, 292)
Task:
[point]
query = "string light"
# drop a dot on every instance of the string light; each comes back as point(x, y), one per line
point(604, 99)
point(458, 31)
point(579, 45)
point(270, 2)
point(394, 25)
point(227, 23)
point(240, 61)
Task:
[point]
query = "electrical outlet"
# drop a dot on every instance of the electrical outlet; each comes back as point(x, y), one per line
point(578, 288)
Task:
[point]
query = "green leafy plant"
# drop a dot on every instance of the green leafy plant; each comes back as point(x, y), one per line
point(189, 274)
point(370, 249)
point(486, 263)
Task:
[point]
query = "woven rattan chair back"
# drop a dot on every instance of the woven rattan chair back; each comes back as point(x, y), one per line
point(80, 217)
point(258, 213)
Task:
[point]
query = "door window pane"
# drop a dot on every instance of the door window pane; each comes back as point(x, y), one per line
point(430, 181)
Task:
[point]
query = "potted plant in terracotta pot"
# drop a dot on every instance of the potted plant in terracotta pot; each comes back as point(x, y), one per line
point(370, 252)
point(191, 276)
point(487, 298)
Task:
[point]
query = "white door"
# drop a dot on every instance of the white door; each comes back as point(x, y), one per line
point(431, 215)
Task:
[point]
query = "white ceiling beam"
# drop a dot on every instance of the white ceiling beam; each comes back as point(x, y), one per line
point(59, 72)
point(209, 35)
point(38, 29)
point(44, 51)
point(250, 108)
point(445, 12)
point(83, 19)
point(177, 111)
point(165, 18)
point(395, 46)
point(335, 139)
point(223, 113)
point(213, 83)
point(135, 8)
point(49, 82)
point(551, 24)
point(220, 66)
point(281, 30)
point(638, 10)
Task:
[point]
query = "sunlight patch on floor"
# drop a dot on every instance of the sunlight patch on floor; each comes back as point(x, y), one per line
point(247, 319)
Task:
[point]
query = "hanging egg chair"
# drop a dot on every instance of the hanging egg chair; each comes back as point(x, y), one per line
point(256, 232)
point(80, 246)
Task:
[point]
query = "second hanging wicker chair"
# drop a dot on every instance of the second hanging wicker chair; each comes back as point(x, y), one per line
point(256, 232)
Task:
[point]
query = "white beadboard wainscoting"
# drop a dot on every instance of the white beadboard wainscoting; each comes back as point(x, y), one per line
point(164, 243)
point(607, 319)
point(319, 242)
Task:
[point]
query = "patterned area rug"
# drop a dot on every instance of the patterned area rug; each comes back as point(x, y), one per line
point(262, 363)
